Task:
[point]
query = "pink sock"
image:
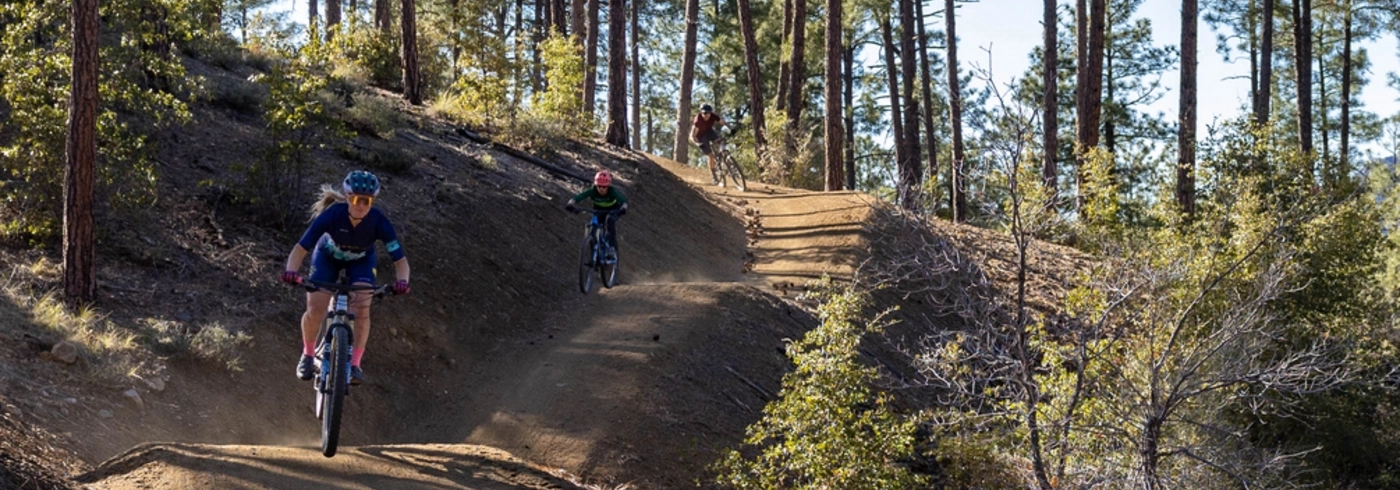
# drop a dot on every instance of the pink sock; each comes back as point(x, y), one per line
point(307, 348)
point(355, 356)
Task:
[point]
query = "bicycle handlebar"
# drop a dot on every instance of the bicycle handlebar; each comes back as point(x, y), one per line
point(313, 285)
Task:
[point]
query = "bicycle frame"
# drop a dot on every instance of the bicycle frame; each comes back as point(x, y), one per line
point(333, 352)
point(594, 254)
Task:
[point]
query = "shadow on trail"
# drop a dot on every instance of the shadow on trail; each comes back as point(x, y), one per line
point(372, 467)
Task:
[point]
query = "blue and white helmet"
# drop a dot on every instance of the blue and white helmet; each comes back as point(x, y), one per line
point(361, 182)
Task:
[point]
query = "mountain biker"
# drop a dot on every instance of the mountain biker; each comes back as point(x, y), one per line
point(341, 236)
point(605, 198)
point(703, 133)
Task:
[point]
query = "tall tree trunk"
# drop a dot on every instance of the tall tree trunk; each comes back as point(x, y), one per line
point(1110, 104)
point(453, 16)
point(681, 150)
point(781, 101)
point(755, 77)
point(538, 81)
point(617, 73)
point(311, 13)
point(332, 17)
point(590, 61)
point(911, 175)
point(892, 74)
point(831, 92)
point(1266, 64)
point(1186, 120)
point(1049, 170)
point(651, 134)
point(1090, 101)
point(797, 69)
point(636, 78)
point(382, 16)
point(1344, 167)
point(1302, 38)
point(79, 247)
point(1323, 109)
point(559, 19)
point(1251, 23)
point(848, 115)
point(926, 91)
point(959, 182)
point(576, 26)
point(412, 88)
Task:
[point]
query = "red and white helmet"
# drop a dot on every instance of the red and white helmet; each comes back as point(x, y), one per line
point(603, 179)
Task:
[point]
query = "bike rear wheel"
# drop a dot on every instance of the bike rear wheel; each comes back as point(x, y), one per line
point(585, 266)
point(336, 381)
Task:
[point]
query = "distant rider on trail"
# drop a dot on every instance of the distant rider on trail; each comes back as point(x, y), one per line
point(605, 198)
point(341, 236)
point(703, 133)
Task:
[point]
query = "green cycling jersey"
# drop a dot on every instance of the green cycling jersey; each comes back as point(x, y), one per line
point(614, 199)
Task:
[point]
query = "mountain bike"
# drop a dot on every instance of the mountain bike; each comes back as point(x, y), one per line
point(332, 382)
point(727, 166)
point(593, 256)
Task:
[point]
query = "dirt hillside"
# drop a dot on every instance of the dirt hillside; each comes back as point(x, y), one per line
point(639, 385)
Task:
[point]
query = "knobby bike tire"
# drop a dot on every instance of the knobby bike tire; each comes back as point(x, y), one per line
point(735, 172)
point(336, 386)
point(586, 264)
point(607, 273)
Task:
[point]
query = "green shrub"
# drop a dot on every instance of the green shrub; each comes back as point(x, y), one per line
point(373, 116)
point(381, 156)
point(829, 429)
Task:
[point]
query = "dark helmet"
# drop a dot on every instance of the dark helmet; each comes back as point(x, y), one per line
point(706, 109)
point(361, 182)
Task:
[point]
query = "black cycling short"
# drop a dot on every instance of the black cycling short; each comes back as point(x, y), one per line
point(705, 138)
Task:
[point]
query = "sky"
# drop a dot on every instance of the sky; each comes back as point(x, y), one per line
point(1010, 30)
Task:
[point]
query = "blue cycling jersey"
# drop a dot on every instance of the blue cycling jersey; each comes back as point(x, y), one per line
point(345, 241)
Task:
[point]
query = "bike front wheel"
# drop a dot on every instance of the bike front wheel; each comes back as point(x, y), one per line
point(735, 172)
point(585, 266)
point(336, 384)
point(607, 273)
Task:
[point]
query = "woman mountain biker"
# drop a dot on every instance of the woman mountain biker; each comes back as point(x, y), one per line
point(703, 133)
point(605, 198)
point(341, 236)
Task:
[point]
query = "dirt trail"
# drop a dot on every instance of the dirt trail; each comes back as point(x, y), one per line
point(642, 384)
point(427, 466)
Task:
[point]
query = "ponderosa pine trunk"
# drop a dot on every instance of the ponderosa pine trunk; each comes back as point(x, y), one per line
point(681, 149)
point(848, 58)
point(958, 182)
point(1186, 120)
point(831, 93)
point(926, 91)
point(892, 75)
point(636, 78)
point(1090, 96)
point(797, 72)
point(1050, 114)
point(590, 61)
point(1344, 165)
point(755, 77)
point(911, 170)
point(1302, 40)
point(1266, 64)
point(412, 88)
point(616, 133)
point(780, 103)
point(80, 153)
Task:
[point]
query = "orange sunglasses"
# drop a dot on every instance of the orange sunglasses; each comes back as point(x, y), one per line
point(361, 200)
